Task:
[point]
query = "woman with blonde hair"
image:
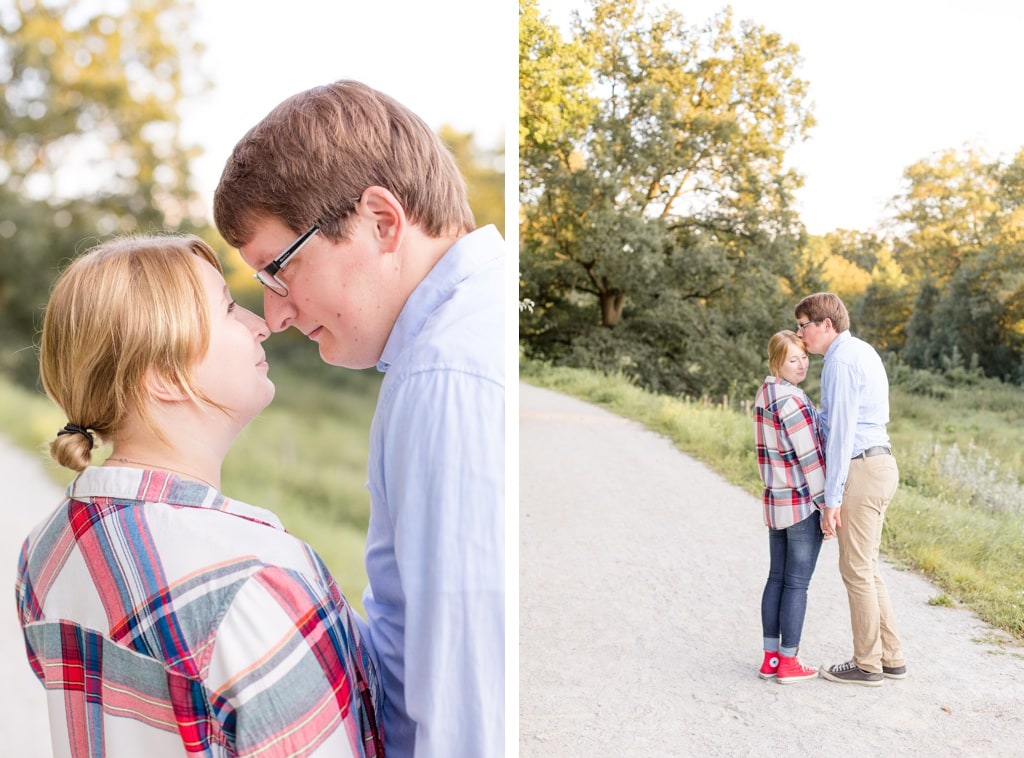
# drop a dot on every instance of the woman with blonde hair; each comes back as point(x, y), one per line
point(792, 467)
point(162, 617)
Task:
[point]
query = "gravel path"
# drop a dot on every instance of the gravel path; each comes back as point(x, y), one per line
point(30, 496)
point(640, 580)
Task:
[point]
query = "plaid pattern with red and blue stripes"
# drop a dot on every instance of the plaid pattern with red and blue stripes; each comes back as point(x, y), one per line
point(165, 619)
point(789, 453)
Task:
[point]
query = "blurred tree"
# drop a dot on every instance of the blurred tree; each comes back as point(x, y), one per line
point(920, 350)
point(483, 169)
point(851, 256)
point(947, 213)
point(982, 311)
point(859, 268)
point(880, 314)
point(962, 246)
point(90, 106)
point(844, 277)
point(655, 201)
point(89, 140)
point(862, 249)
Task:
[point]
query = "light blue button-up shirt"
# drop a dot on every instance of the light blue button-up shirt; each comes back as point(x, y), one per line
point(854, 408)
point(435, 549)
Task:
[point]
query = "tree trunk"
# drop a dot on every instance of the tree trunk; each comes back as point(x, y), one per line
point(612, 303)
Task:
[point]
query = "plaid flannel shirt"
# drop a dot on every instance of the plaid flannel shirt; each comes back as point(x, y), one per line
point(789, 453)
point(164, 619)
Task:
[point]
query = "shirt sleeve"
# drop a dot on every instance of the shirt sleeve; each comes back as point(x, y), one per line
point(797, 417)
point(841, 392)
point(282, 672)
point(444, 476)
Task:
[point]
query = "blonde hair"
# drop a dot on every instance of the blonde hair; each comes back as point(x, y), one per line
point(778, 349)
point(126, 307)
point(309, 160)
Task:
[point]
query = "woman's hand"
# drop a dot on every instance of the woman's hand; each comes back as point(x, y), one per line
point(830, 521)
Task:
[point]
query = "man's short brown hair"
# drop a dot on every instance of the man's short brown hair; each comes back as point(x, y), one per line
point(312, 156)
point(821, 306)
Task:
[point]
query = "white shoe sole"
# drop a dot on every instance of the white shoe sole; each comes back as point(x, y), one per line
point(862, 682)
point(792, 679)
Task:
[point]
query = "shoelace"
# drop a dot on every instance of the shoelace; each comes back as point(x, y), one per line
point(847, 666)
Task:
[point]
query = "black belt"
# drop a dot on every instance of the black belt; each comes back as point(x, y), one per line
point(876, 450)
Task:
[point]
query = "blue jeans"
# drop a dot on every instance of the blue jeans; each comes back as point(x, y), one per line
point(794, 554)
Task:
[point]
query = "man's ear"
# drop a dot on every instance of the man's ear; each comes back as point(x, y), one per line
point(163, 388)
point(386, 213)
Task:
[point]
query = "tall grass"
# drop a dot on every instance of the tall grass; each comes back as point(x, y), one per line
point(958, 516)
point(304, 458)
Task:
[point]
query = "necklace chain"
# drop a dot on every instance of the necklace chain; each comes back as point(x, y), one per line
point(164, 468)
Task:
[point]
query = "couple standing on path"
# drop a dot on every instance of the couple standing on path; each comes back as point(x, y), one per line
point(162, 616)
point(647, 535)
point(826, 475)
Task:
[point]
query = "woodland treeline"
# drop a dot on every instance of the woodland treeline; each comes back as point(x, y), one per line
point(91, 96)
point(658, 236)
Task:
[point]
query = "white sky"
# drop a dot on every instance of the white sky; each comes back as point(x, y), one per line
point(893, 82)
point(450, 61)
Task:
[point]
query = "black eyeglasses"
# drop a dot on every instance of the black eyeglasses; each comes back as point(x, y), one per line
point(800, 326)
point(267, 276)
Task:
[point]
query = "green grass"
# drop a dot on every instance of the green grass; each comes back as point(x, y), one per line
point(956, 517)
point(986, 419)
point(304, 459)
point(30, 420)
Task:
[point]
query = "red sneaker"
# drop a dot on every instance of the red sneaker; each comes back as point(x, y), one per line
point(770, 666)
point(791, 670)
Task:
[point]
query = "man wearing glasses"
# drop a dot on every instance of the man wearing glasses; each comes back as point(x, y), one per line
point(861, 478)
point(355, 219)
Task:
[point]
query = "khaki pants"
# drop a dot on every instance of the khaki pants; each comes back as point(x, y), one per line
point(870, 487)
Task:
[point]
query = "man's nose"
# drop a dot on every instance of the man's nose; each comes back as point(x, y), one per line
point(277, 311)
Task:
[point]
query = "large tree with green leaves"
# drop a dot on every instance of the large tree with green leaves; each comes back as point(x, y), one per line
point(657, 231)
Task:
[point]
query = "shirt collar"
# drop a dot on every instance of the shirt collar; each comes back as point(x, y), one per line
point(133, 484)
point(462, 259)
point(836, 343)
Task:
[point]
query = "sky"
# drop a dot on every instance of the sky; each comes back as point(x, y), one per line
point(450, 61)
point(892, 82)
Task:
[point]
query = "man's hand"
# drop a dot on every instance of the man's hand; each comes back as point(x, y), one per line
point(830, 521)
